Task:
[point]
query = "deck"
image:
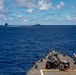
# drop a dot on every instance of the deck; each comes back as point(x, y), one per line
point(42, 71)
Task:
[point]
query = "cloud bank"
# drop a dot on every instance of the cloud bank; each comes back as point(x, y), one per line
point(35, 10)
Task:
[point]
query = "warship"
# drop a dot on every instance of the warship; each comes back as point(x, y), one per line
point(37, 24)
point(6, 24)
point(55, 63)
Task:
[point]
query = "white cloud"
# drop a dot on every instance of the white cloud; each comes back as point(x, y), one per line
point(47, 4)
point(30, 10)
point(68, 17)
point(1, 4)
point(30, 4)
point(44, 5)
point(26, 3)
point(75, 18)
point(60, 5)
point(9, 18)
point(2, 15)
point(20, 16)
point(3, 9)
point(72, 7)
point(25, 20)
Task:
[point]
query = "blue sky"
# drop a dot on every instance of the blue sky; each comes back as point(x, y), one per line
point(45, 12)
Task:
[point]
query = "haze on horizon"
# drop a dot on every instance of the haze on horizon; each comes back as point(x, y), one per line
point(45, 12)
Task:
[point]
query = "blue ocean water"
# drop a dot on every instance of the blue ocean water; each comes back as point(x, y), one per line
point(20, 46)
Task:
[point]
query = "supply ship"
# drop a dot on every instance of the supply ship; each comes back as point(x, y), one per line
point(55, 63)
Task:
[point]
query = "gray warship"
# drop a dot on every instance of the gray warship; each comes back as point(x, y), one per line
point(6, 24)
point(55, 63)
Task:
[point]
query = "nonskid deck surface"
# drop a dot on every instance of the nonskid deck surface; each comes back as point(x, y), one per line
point(42, 71)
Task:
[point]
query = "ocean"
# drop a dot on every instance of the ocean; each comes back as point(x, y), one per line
point(21, 46)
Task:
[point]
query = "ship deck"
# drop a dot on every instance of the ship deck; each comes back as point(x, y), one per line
point(41, 70)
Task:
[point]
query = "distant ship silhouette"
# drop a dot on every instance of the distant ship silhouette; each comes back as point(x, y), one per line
point(37, 24)
point(6, 24)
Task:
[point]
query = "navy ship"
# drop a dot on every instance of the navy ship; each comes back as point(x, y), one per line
point(37, 24)
point(55, 63)
point(6, 24)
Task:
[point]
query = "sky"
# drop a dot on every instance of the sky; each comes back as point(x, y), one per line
point(44, 12)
